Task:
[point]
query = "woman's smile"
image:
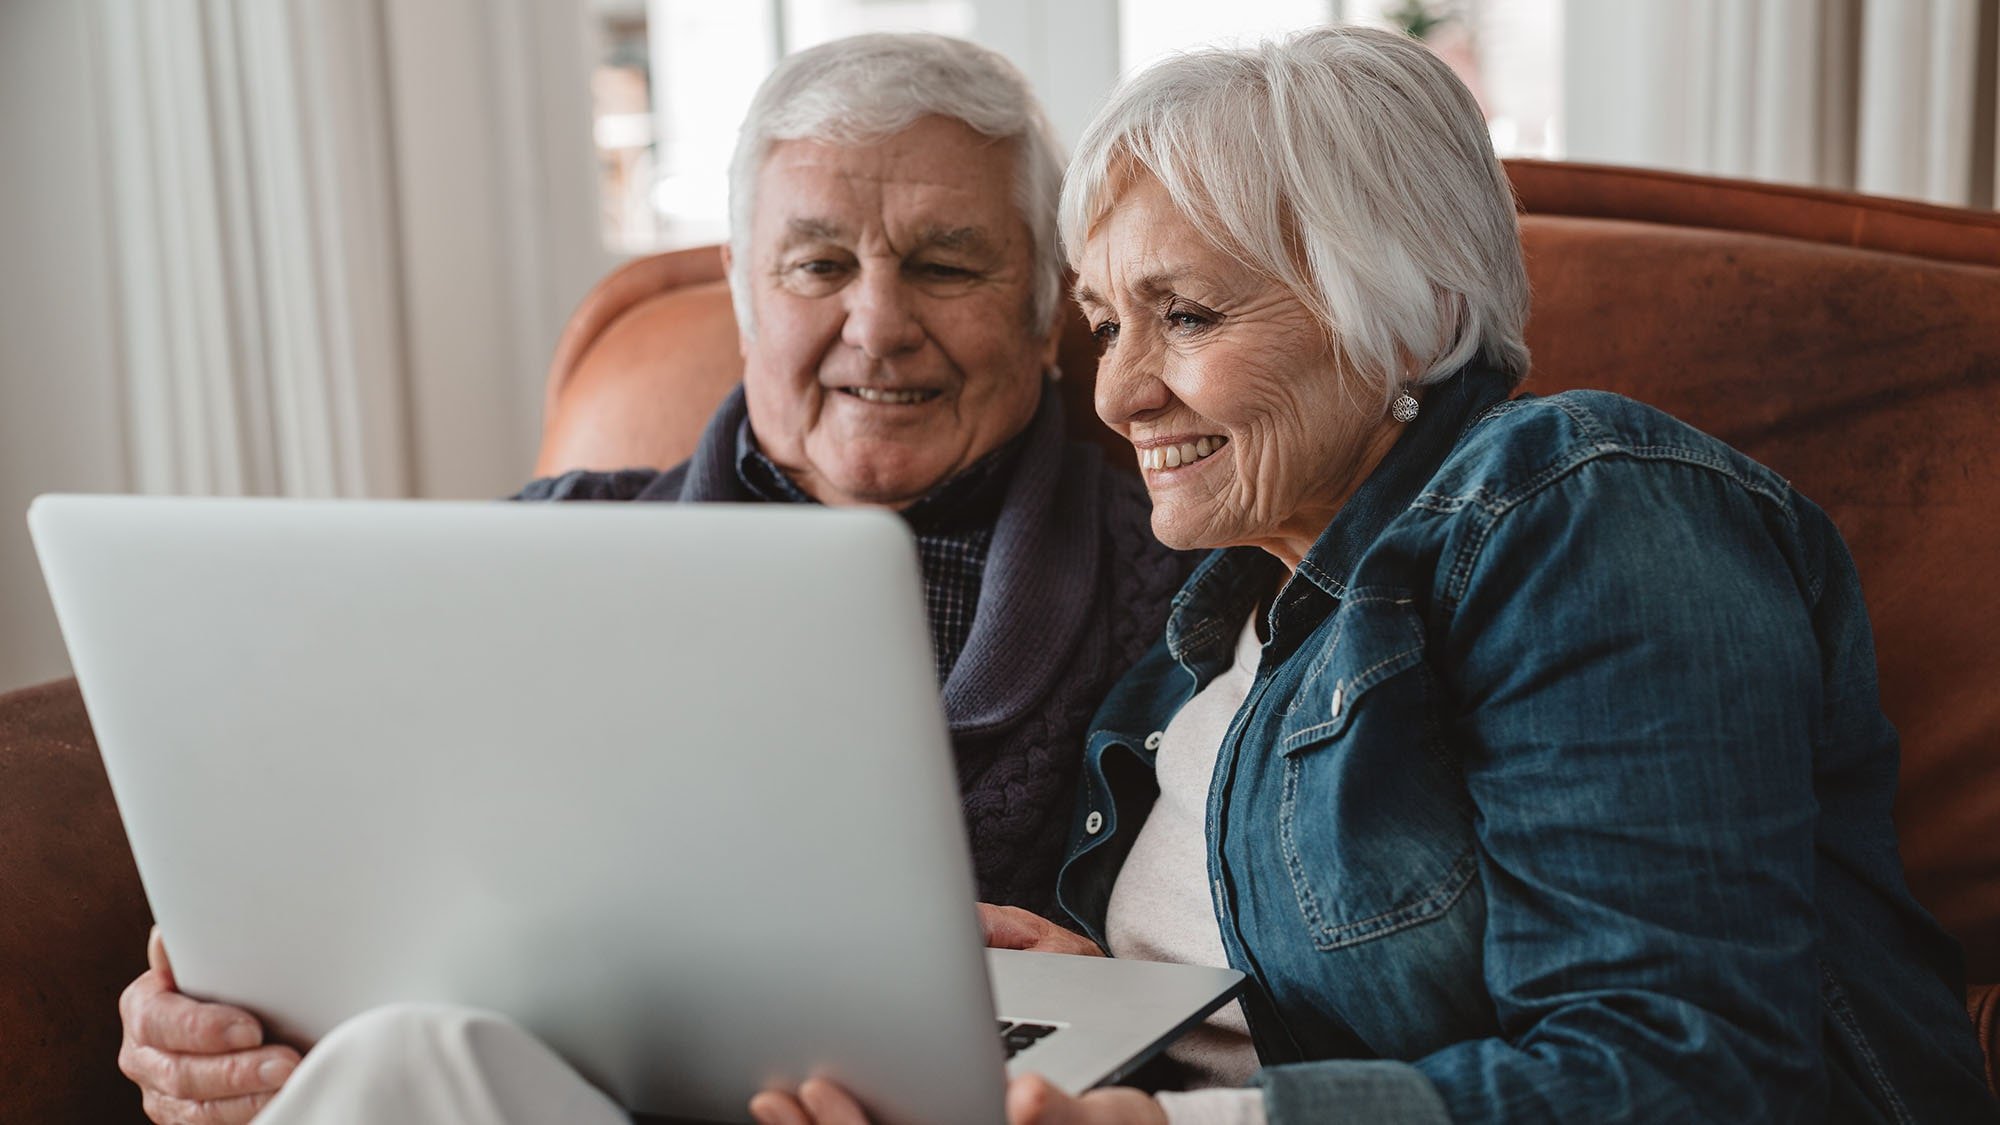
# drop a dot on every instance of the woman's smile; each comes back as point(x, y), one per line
point(1173, 456)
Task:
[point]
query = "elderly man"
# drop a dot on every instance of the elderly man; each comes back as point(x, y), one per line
point(896, 277)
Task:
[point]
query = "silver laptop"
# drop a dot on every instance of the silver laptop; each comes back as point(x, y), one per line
point(670, 786)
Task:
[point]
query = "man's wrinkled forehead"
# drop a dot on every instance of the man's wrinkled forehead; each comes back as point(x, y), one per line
point(946, 188)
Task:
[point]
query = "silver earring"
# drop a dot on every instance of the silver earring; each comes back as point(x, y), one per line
point(1052, 373)
point(1404, 409)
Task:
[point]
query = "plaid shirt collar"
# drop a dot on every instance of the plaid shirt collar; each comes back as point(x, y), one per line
point(953, 526)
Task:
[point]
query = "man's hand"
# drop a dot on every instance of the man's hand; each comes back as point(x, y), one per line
point(1010, 927)
point(1031, 1100)
point(195, 1063)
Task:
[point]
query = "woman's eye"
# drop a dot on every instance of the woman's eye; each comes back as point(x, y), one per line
point(819, 267)
point(941, 270)
point(1104, 334)
point(1188, 321)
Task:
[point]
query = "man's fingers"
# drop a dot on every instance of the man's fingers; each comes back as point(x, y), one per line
point(143, 987)
point(156, 956)
point(176, 1023)
point(206, 1078)
point(169, 1110)
point(201, 1078)
point(238, 1111)
point(1010, 927)
point(1007, 927)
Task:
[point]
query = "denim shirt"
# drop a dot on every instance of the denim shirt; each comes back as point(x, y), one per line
point(1561, 793)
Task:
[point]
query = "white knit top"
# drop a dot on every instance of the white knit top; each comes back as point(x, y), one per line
point(1161, 909)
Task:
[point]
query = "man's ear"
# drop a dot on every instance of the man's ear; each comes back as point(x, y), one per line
point(728, 262)
point(1052, 343)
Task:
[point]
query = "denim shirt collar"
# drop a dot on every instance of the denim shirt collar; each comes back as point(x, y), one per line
point(1227, 586)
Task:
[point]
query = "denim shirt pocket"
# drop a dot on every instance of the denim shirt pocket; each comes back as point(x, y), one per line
point(1374, 821)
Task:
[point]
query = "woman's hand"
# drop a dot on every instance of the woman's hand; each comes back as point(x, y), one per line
point(819, 1101)
point(1010, 927)
point(1031, 1100)
point(195, 1063)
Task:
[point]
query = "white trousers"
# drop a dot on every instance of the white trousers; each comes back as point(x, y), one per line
point(433, 1064)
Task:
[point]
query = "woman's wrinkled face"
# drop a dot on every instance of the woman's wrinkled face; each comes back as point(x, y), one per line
point(1227, 386)
point(891, 284)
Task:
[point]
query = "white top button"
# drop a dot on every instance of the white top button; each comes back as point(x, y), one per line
point(1094, 823)
point(1339, 697)
point(1153, 739)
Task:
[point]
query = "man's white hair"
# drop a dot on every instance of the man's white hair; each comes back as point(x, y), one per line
point(865, 88)
point(1350, 165)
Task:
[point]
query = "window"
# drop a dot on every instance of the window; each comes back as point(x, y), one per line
point(1507, 51)
point(1150, 30)
point(673, 82)
point(675, 76)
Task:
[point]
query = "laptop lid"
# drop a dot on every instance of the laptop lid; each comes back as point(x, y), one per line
point(670, 786)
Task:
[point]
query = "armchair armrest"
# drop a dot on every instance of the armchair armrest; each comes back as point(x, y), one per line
point(73, 927)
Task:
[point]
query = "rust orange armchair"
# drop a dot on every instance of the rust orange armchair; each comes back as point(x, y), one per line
point(1851, 343)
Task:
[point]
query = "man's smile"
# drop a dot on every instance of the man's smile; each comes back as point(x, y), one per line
point(887, 396)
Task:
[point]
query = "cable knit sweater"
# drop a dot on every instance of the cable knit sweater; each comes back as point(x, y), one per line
point(1075, 590)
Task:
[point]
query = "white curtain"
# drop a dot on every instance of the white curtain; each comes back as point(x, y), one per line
point(315, 248)
point(1889, 97)
point(346, 234)
point(248, 151)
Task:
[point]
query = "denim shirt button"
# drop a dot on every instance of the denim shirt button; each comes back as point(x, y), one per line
point(1154, 739)
point(1094, 823)
point(1339, 697)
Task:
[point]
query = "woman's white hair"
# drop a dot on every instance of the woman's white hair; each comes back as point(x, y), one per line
point(1350, 165)
point(865, 88)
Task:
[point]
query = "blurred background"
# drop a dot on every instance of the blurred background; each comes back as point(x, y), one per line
point(324, 248)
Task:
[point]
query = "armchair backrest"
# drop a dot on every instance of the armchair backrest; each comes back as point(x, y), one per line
point(1852, 344)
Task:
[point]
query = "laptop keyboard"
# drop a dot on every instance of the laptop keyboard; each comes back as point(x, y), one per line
point(1019, 1035)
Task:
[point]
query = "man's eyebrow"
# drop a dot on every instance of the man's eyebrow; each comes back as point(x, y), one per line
point(812, 230)
point(968, 239)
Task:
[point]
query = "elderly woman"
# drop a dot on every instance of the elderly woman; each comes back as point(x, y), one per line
point(1525, 755)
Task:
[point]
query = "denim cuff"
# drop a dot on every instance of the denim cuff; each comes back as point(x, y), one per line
point(1384, 1093)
